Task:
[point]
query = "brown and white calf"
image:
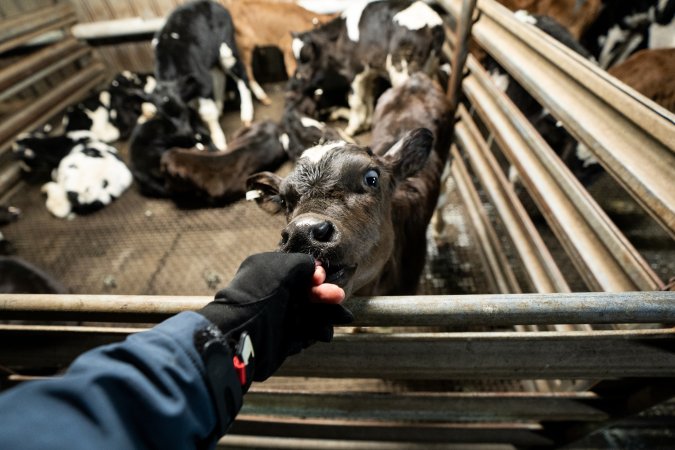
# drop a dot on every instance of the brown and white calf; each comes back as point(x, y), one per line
point(264, 23)
point(388, 39)
point(363, 213)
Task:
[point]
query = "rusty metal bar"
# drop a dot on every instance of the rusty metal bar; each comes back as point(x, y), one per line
point(17, 31)
point(632, 137)
point(419, 310)
point(540, 267)
point(496, 264)
point(461, 49)
point(50, 103)
point(602, 255)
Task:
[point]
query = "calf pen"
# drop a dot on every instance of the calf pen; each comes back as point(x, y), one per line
point(494, 369)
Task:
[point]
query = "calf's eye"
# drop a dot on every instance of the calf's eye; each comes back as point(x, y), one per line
point(372, 178)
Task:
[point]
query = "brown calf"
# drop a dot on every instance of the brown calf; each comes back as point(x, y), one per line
point(220, 177)
point(651, 73)
point(575, 15)
point(363, 213)
point(261, 23)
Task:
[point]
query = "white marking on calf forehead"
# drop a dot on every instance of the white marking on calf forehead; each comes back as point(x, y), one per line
point(308, 122)
point(297, 45)
point(352, 16)
point(417, 16)
point(525, 17)
point(316, 153)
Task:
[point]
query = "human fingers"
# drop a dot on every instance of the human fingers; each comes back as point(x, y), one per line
point(327, 293)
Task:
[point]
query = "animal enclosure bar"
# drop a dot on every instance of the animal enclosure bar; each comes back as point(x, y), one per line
point(587, 101)
point(419, 310)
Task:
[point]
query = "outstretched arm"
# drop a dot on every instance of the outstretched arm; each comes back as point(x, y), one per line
point(176, 385)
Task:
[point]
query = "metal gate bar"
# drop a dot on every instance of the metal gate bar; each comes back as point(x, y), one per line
point(419, 310)
point(596, 109)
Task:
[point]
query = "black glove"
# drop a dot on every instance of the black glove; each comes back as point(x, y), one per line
point(269, 299)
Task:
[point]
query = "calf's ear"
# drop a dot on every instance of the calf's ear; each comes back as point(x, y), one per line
point(410, 153)
point(263, 187)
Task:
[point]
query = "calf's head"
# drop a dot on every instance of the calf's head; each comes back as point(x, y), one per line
point(338, 205)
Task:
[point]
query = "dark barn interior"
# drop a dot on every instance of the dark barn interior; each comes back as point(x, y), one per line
point(568, 378)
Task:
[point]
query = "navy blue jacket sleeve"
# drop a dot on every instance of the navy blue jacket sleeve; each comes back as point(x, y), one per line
point(150, 391)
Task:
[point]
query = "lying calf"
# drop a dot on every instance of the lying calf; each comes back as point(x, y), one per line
point(90, 177)
point(40, 154)
point(362, 213)
point(218, 177)
point(157, 132)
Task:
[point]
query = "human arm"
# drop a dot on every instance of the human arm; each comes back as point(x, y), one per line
point(173, 386)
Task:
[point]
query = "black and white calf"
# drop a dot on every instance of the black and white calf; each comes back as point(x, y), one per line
point(623, 28)
point(194, 49)
point(158, 131)
point(91, 176)
point(39, 154)
point(111, 114)
point(371, 39)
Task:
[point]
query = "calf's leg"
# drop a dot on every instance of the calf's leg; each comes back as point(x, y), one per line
point(208, 111)
point(232, 64)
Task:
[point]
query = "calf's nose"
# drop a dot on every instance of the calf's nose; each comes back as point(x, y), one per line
point(304, 234)
point(322, 231)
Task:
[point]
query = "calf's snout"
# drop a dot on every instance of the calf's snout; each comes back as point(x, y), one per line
point(308, 233)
